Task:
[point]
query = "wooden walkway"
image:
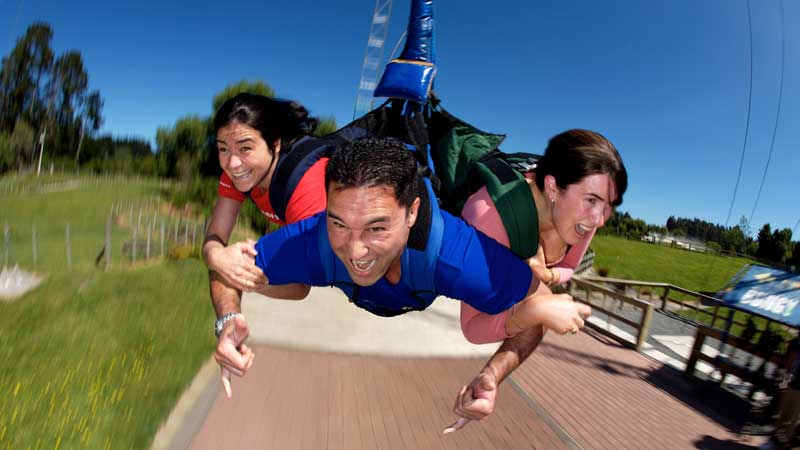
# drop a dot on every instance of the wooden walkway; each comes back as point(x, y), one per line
point(575, 392)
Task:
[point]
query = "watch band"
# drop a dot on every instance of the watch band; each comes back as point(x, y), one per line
point(222, 321)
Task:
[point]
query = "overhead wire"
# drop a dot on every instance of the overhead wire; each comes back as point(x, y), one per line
point(777, 116)
point(747, 123)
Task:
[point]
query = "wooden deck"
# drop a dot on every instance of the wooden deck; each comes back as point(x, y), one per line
point(576, 392)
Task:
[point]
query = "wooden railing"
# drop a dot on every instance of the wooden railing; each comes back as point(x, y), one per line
point(664, 295)
point(725, 365)
point(642, 327)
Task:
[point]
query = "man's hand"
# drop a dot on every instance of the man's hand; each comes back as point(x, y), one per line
point(235, 264)
point(476, 401)
point(233, 356)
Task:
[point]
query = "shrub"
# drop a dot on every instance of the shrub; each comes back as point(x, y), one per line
point(178, 252)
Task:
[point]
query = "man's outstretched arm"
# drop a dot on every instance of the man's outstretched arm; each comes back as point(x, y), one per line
point(476, 400)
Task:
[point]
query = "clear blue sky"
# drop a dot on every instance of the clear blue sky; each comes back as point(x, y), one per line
point(667, 82)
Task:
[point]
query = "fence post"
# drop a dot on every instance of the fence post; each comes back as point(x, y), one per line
point(162, 237)
point(644, 327)
point(664, 298)
point(194, 234)
point(69, 250)
point(177, 224)
point(108, 242)
point(147, 251)
point(185, 232)
point(7, 244)
point(133, 250)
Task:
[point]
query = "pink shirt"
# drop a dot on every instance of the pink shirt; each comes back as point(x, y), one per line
point(480, 212)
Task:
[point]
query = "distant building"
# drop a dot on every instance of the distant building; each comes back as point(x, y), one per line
point(685, 242)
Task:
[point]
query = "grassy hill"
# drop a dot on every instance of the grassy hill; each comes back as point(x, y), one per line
point(94, 359)
point(639, 260)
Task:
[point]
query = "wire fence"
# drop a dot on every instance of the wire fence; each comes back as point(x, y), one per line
point(133, 233)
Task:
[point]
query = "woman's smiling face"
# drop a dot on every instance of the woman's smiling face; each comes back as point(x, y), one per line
point(243, 154)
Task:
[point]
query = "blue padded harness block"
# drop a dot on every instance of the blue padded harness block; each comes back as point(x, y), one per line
point(407, 80)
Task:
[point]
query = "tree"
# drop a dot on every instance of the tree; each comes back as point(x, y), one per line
point(47, 94)
point(21, 75)
point(794, 260)
point(773, 245)
point(253, 87)
point(733, 240)
point(23, 141)
point(90, 118)
point(326, 125)
point(764, 240)
point(184, 144)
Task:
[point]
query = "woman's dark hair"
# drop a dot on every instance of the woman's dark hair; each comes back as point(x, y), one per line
point(375, 162)
point(575, 154)
point(273, 118)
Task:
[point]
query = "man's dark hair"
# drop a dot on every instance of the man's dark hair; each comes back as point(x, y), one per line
point(375, 162)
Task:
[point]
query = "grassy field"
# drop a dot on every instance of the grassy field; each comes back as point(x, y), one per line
point(94, 359)
point(638, 260)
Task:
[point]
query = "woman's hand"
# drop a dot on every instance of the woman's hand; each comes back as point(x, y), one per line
point(557, 312)
point(236, 265)
point(540, 270)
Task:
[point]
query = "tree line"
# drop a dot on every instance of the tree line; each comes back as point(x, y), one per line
point(773, 246)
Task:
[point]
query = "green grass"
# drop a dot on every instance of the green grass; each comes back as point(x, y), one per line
point(94, 359)
point(83, 203)
point(638, 260)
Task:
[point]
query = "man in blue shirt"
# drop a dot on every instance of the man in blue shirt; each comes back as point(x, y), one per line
point(385, 243)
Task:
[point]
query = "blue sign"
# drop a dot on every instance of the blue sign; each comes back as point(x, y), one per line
point(769, 292)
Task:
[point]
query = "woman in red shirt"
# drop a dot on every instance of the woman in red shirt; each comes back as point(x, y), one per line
point(252, 131)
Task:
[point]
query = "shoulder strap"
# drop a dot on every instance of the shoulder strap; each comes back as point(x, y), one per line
point(293, 164)
point(512, 198)
point(425, 257)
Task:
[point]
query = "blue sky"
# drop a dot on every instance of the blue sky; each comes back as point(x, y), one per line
point(667, 82)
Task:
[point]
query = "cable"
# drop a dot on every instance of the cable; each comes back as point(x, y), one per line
point(749, 110)
point(777, 117)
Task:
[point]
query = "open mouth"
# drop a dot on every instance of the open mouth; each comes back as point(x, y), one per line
point(362, 266)
point(582, 230)
point(242, 175)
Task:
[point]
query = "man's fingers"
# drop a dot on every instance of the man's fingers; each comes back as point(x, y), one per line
point(459, 424)
point(226, 382)
point(584, 310)
point(488, 384)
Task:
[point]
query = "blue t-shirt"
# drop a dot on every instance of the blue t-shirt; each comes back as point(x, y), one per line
point(471, 267)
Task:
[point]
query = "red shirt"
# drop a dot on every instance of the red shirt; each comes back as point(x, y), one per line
point(307, 199)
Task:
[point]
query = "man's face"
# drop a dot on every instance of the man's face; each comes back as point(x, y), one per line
point(368, 230)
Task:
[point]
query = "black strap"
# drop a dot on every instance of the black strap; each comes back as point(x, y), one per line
point(293, 164)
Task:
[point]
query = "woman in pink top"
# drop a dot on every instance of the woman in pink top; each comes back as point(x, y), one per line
point(575, 185)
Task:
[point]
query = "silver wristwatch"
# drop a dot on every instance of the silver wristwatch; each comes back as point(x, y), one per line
point(222, 321)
